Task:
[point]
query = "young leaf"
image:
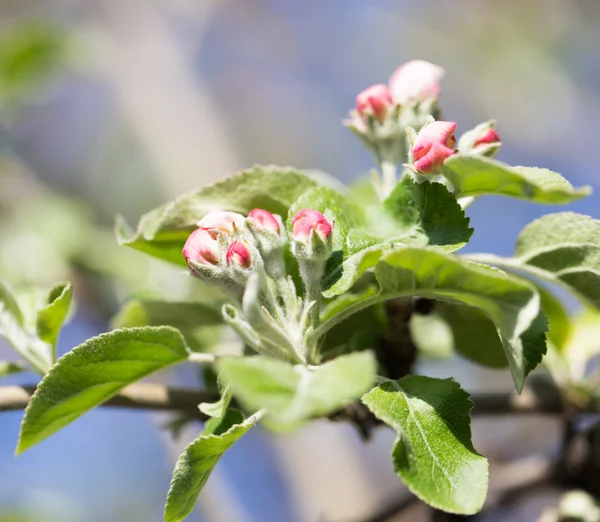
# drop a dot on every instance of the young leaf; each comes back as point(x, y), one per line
point(433, 453)
point(415, 214)
point(163, 231)
point(196, 463)
point(512, 304)
point(198, 322)
point(51, 318)
point(567, 247)
point(428, 211)
point(14, 330)
point(562, 248)
point(217, 409)
point(95, 371)
point(476, 337)
point(478, 175)
point(292, 394)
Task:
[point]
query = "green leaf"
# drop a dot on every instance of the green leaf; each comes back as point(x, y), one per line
point(13, 328)
point(478, 175)
point(425, 214)
point(292, 394)
point(474, 335)
point(433, 453)
point(163, 231)
point(415, 214)
point(559, 327)
point(196, 463)
point(52, 316)
point(336, 207)
point(342, 276)
point(95, 371)
point(31, 54)
point(511, 303)
point(217, 409)
point(566, 247)
point(200, 323)
point(8, 368)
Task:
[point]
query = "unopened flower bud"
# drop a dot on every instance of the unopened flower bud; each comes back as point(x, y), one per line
point(488, 137)
point(221, 220)
point(376, 101)
point(434, 143)
point(201, 248)
point(482, 140)
point(415, 82)
point(307, 221)
point(264, 220)
point(238, 254)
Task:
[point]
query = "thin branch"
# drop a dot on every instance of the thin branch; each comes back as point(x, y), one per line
point(140, 396)
point(146, 396)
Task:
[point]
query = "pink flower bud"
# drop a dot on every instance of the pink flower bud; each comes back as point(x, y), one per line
point(201, 248)
point(488, 137)
point(238, 254)
point(415, 82)
point(305, 221)
point(433, 145)
point(264, 220)
point(221, 220)
point(375, 100)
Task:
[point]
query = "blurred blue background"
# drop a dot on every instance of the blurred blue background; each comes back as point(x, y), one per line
point(118, 106)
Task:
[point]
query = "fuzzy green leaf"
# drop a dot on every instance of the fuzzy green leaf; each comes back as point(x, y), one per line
point(433, 453)
point(292, 394)
point(425, 214)
point(196, 463)
point(415, 214)
point(95, 371)
point(477, 175)
point(562, 248)
point(476, 337)
point(511, 303)
point(163, 231)
point(200, 323)
point(566, 247)
point(52, 316)
point(14, 328)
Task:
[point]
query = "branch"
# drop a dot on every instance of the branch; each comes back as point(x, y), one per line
point(147, 396)
point(140, 396)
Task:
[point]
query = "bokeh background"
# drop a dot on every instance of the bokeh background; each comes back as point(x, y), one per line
point(111, 106)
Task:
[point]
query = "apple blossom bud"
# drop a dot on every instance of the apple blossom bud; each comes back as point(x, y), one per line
point(487, 138)
point(306, 221)
point(415, 82)
point(238, 254)
point(264, 220)
point(221, 220)
point(434, 143)
point(201, 248)
point(375, 100)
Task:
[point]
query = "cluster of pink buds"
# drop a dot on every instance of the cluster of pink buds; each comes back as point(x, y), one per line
point(228, 239)
point(210, 243)
point(246, 255)
point(415, 83)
